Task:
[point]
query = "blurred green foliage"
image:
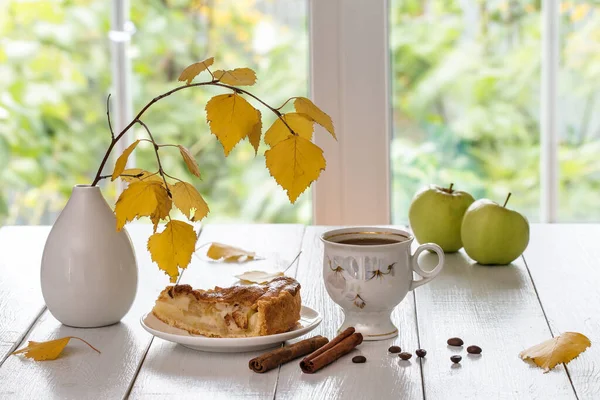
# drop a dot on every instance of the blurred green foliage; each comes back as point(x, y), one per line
point(466, 95)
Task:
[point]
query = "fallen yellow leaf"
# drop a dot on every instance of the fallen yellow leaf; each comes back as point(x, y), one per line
point(189, 161)
point(231, 118)
point(190, 72)
point(227, 253)
point(144, 175)
point(560, 349)
point(305, 106)
point(189, 201)
point(254, 135)
point(122, 160)
point(295, 163)
point(50, 350)
point(258, 276)
point(138, 200)
point(300, 123)
point(173, 247)
point(236, 77)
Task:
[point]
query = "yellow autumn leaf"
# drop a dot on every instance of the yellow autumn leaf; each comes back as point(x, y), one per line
point(189, 160)
point(231, 118)
point(560, 349)
point(122, 160)
point(295, 163)
point(163, 208)
point(254, 135)
point(173, 247)
point(50, 350)
point(300, 123)
point(189, 201)
point(305, 106)
point(227, 253)
point(258, 276)
point(129, 175)
point(139, 199)
point(236, 77)
point(190, 72)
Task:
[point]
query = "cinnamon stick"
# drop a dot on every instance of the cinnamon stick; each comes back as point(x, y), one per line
point(340, 345)
point(275, 358)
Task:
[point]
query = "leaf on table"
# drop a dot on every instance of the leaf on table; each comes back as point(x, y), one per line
point(227, 253)
point(122, 160)
point(231, 118)
point(236, 77)
point(140, 199)
point(143, 175)
point(560, 349)
point(258, 276)
point(254, 135)
point(172, 248)
point(305, 106)
point(189, 201)
point(190, 72)
point(189, 160)
point(302, 124)
point(295, 163)
point(50, 350)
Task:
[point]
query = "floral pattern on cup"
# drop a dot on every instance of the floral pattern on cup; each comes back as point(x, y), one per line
point(353, 295)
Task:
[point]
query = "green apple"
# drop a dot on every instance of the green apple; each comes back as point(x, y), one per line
point(435, 216)
point(493, 234)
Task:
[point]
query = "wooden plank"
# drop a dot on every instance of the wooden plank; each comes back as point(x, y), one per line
point(564, 263)
point(173, 371)
point(82, 373)
point(21, 301)
point(495, 308)
point(382, 376)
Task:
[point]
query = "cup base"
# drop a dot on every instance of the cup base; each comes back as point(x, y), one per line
point(372, 325)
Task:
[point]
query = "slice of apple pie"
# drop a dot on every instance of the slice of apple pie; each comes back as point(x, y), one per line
point(236, 311)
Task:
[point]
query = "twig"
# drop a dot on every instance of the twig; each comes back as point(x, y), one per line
point(128, 175)
point(112, 133)
point(293, 261)
point(160, 168)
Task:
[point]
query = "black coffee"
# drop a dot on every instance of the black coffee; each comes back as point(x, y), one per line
point(368, 241)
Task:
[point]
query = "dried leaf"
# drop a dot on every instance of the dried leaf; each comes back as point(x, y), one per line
point(227, 253)
point(231, 119)
point(295, 163)
point(189, 201)
point(50, 350)
point(193, 70)
point(560, 349)
point(258, 276)
point(189, 161)
point(300, 123)
point(122, 160)
point(236, 77)
point(304, 105)
point(145, 175)
point(254, 135)
point(172, 248)
point(138, 200)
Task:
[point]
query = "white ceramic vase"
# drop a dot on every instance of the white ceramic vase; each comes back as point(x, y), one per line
point(89, 272)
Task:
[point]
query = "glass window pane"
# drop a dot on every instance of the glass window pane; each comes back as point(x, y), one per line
point(270, 37)
point(579, 88)
point(466, 84)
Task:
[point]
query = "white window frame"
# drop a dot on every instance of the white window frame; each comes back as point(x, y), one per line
point(350, 79)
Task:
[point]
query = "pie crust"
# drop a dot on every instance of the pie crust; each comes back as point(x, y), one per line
point(236, 311)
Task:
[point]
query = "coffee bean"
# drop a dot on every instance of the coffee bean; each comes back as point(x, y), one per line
point(395, 349)
point(455, 341)
point(359, 359)
point(455, 359)
point(405, 356)
point(421, 353)
point(474, 349)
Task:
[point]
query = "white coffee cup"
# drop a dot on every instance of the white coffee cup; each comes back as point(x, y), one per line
point(368, 271)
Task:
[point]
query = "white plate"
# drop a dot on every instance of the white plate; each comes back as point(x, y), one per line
point(309, 320)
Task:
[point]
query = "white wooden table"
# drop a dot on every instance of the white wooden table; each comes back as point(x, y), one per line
point(555, 287)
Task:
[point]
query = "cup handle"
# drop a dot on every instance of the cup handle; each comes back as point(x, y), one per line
point(427, 275)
